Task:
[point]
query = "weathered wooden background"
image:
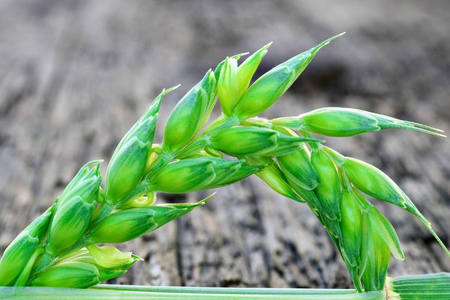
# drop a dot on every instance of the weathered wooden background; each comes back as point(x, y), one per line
point(76, 74)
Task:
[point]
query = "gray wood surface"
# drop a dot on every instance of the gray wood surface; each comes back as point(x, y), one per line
point(76, 74)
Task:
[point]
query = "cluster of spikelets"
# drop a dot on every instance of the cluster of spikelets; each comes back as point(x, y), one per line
point(61, 248)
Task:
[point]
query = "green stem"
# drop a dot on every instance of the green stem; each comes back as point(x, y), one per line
point(184, 293)
point(430, 286)
point(223, 290)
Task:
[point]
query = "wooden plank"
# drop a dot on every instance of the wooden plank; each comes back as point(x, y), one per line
point(75, 75)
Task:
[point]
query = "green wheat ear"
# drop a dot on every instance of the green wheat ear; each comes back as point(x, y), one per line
point(61, 248)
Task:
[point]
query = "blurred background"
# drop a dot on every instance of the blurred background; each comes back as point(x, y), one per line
point(76, 74)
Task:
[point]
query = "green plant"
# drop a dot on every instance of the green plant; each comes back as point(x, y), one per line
point(61, 248)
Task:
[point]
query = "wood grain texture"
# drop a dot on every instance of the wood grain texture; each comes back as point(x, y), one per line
point(76, 74)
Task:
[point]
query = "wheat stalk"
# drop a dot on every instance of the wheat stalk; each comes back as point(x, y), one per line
point(61, 248)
